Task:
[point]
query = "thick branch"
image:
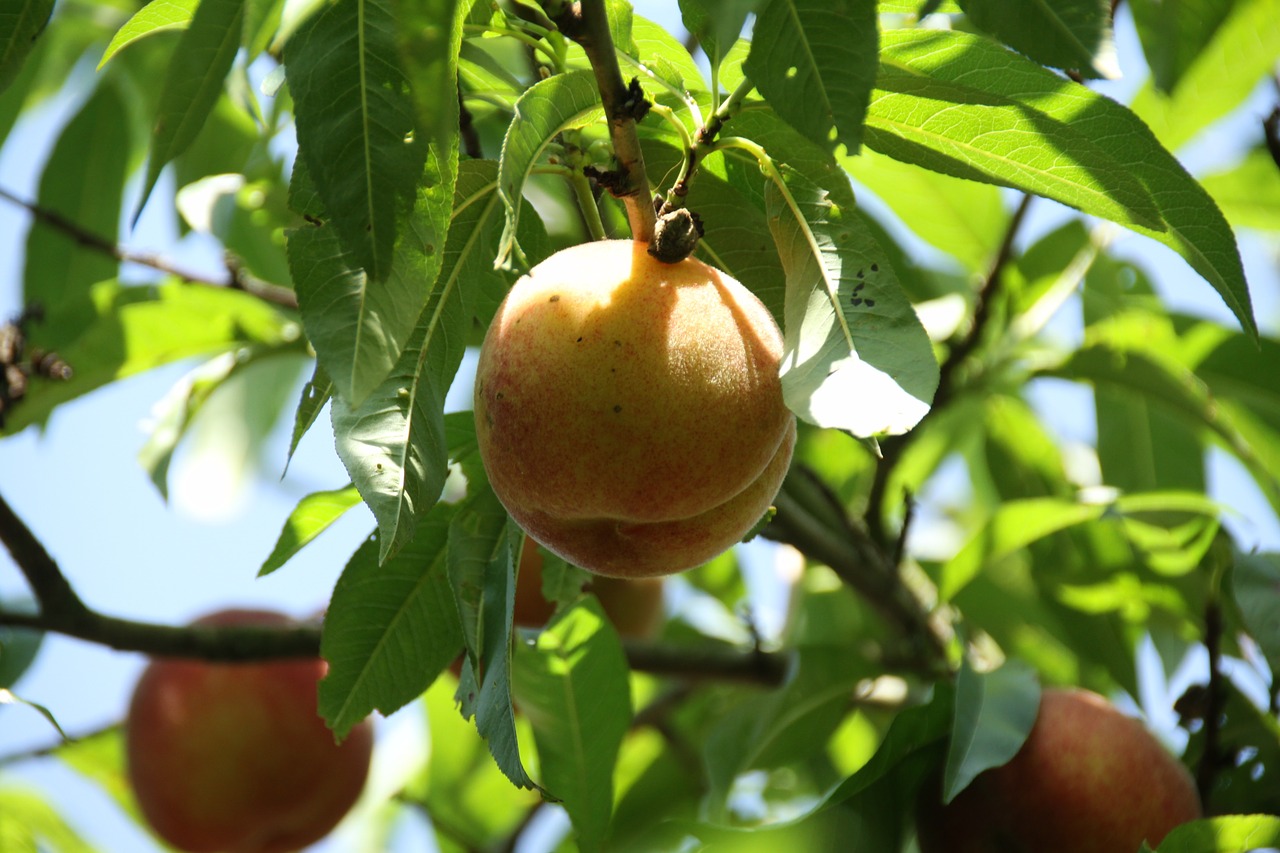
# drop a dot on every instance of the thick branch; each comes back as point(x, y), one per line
point(587, 23)
point(1210, 759)
point(707, 663)
point(812, 520)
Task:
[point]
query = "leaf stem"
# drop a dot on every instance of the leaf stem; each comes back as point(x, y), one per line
point(586, 203)
point(520, 36)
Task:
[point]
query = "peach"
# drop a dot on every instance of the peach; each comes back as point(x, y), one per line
point(629, 412)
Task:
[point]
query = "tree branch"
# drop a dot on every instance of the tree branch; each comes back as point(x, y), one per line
point(1210, 759)
point(892, 448)
point(587, 23)
point(812, 520)
point(236, 279)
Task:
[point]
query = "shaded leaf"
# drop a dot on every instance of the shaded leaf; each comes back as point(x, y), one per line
point(815, 62)
point(192, 83)
point(391, 627)
point(1255, 583)
point(1173, 34)
point(561, 102)
point(1073, 34)
point(717, 24)
point(572, 685)
point(20, 25)
point(312, 516)
point(315, 394)
point(359, 326)
point(83, 182)
point(393, 444)
point(483, 546)
point(18, 646)
point(355, 124)
point(1249, 191)
point(994, 714)
point(1242, 50)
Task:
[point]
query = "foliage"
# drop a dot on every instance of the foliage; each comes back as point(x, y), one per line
point(380, 172)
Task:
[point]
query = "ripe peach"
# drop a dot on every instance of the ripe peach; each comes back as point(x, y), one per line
point(1088, 780)
point(629, 412)
point(234, 758)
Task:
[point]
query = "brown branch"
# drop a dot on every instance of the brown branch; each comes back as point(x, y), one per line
point(892, 448)
point(707, 663)
point(587, 23)
point(1210, 759)
point(812, 520)
point(274, 294)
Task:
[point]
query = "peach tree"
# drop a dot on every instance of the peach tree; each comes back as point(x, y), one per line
point(1037, 239)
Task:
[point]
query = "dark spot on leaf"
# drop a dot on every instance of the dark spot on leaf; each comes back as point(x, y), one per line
point(861, 273)
point(875, 268)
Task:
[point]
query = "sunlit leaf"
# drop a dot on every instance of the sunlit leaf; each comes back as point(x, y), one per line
point(572, 685)
point(855, 354)
point(158, 16)
point(1173, 34)
point(312, 516)
point(958, 104)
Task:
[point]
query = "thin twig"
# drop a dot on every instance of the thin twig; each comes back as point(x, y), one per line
point(892, 448)
point(53, 747)
point(1210, 759)
point(97, 243)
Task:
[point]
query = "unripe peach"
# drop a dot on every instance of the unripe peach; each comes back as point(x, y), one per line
point(629, 412)
point(233, 757)
point(1088, 780)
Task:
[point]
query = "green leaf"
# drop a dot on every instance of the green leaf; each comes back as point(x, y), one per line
point(1231, 834)
point(965, 219)
point(315, 394)
point(572, 685)
point(461, 787)
point(82, 181)
point(483, 546)
point(100, 759)
point(1173, 34)
point(21, 23)
point(192, 83)
point(1249, 191)
point(356, 128)
point(1073, 34)
point(855, 355)
point(158, 16)
point(960, 105)
point(785, 726)
point(28, 822)
point(18, 646)
point(815, 62)
point(559, 103)
point(1255, 583)
point(312, 516)
point(994, 714)
point(393, 443)
point(137, 328)
point(429, 34)
point(717, 24)
point(391, 627)
point(914, 733)
point(360, 326)
point(1243, 50)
